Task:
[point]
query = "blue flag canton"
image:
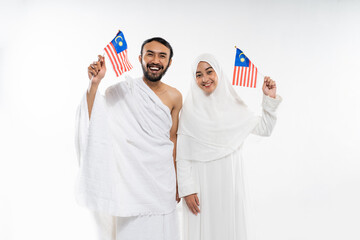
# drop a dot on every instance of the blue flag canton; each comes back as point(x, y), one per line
point(240, 59)
point(119, 42)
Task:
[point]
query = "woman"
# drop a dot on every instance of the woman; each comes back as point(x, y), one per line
point(213, 126)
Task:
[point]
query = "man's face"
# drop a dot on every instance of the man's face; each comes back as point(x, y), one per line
point(154, 60)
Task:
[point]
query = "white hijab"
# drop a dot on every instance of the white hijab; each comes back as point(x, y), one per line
point(212, 126)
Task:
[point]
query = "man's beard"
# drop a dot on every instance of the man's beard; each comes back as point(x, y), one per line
point(150, 77)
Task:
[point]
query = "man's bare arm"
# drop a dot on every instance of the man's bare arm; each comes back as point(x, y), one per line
point(175, 120)
point(96, 72)
point(173, 131)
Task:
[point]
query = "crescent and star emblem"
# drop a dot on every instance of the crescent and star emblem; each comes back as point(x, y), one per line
point(241, 58)
point(120, 43)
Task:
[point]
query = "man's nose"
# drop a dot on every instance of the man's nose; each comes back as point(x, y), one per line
point(156, 59)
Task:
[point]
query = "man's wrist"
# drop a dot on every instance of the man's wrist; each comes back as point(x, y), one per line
point(94, 84)
point(93, 88)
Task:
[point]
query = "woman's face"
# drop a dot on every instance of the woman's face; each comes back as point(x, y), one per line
point(206, 77)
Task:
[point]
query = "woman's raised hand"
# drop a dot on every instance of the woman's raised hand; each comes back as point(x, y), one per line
point(193, 203)
point(269, 87)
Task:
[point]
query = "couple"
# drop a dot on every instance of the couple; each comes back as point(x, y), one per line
point(128, 141)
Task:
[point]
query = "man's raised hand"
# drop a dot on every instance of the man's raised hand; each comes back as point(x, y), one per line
point(97, 70)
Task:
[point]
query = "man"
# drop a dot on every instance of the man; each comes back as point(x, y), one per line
point(127, 150)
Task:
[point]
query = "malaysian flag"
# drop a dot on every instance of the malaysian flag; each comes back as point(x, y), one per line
point(245, 73)
point(117, 53)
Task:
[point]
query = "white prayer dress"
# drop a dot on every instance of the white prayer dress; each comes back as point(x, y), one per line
point(211, 133)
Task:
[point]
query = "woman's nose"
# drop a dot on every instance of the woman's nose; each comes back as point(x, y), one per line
point(205, 78)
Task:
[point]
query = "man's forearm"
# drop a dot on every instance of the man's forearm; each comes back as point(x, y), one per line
point(90, 96)
point(174, 140)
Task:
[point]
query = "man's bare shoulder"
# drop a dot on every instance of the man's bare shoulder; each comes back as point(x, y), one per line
point(174, 94)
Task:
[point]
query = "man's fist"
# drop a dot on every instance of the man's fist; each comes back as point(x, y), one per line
point(97, 70)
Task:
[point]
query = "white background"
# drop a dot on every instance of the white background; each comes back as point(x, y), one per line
point(304, 180)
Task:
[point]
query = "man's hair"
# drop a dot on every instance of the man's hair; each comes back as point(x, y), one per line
point(160, 40)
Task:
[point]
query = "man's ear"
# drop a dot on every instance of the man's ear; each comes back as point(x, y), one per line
point(170, 62)
point(140, 59)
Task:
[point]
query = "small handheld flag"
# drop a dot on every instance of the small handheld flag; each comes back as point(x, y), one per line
point(245, 73)
point(117, 53)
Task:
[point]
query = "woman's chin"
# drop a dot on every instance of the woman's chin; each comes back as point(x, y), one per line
point(208, 90)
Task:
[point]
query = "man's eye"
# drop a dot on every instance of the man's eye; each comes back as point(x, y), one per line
point(162, 56)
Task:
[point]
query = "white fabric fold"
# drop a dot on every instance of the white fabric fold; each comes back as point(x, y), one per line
point(81, 128)
point(126, 155)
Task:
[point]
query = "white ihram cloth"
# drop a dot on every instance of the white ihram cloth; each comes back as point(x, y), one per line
point(145, 227)
point(211, 133)
point(126, 161)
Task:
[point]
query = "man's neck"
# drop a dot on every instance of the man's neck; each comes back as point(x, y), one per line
point(155, 86)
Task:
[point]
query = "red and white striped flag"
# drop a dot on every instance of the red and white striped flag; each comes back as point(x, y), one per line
point(117, 53)
point(245, 72)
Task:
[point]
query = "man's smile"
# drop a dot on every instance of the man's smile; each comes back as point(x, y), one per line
point(154, 68)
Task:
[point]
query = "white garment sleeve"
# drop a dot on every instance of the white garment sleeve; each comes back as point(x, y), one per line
point(268, 119)
point(82, 122)
point(81, 127)
point(186, 183)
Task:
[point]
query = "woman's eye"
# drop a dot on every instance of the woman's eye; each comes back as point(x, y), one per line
point(209, 72)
